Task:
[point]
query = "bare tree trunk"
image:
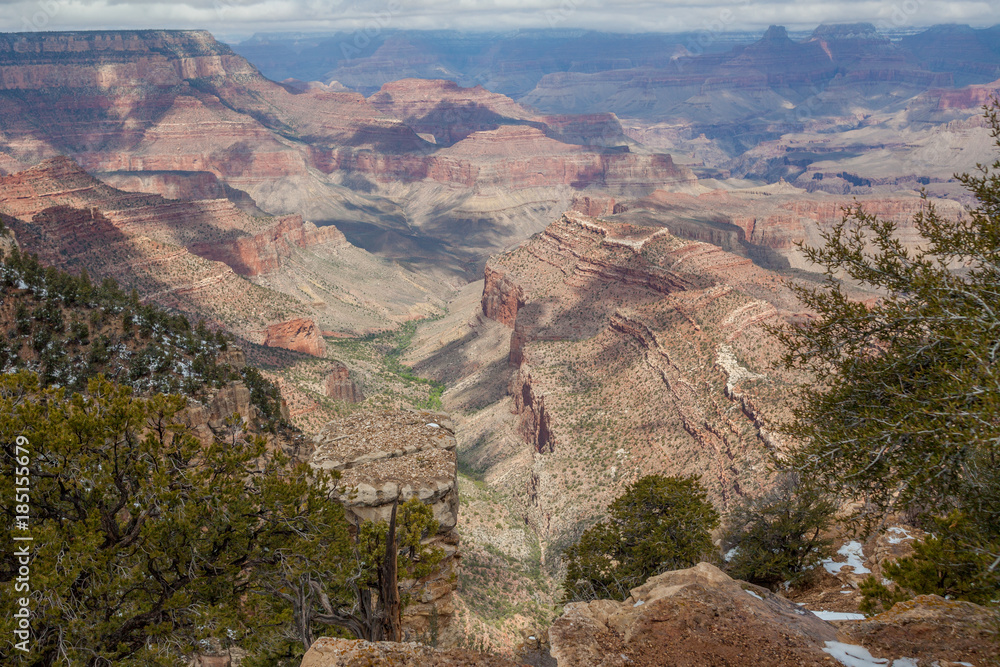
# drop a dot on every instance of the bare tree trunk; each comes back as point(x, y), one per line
point(389, 584)
point(302, 609)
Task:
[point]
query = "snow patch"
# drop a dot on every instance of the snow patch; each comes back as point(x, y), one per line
point(433, 425)
point(898, 535)
point(640, 602)
point(855, 560)
point(857, 656)
point(838, 615)
point(753, 594)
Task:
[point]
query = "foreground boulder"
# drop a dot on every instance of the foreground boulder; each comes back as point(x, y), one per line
point(931, 629)
point(330, 652)
point(695, 617)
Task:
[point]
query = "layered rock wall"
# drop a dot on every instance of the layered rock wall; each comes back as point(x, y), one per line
point(501, 297)
point(515, 157)
point(533, 420)
point(264, 252)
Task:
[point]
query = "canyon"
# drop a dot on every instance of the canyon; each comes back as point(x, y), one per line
point(174, 112)
point(877, 102)
point(608, 348)
point(580, 256)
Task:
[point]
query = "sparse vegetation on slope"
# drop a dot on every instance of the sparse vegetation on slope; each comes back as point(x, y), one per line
point(68, 329)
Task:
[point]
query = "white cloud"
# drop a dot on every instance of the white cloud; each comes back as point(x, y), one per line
point(244, 17)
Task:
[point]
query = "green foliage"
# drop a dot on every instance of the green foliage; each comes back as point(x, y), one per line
point(392, 361)
point(908, 415)
point(659, 524)
point(878, 597)
point(414, 523)
point(908, 395)
point(144, 540)
point(954, 560)
point(776, 537)
point(265, 395)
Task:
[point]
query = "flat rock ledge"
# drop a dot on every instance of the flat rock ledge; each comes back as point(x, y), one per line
point(388, 454)
point(330, 652)
point(385, 455)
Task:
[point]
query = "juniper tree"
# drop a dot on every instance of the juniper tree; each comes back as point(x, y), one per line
point(658, 524)
point(147, 541)
point(779, 535)
point(904, 409)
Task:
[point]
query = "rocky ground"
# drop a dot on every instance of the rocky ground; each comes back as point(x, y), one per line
point(700, 617)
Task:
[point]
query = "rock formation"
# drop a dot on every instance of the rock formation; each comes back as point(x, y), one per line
point(330, 652)
point(201, 121)
point(449, 113)
point(760, 75)
point(702, 617)
point(698, 616)
point(207, 416)
point(300, 335)
point(390, 456)
point(501, 297)
point(208, 258)
point(265, 251)
point(931, 630)
point(339, 386)
point(604, 301)
point(604, 349)
point(767, 223)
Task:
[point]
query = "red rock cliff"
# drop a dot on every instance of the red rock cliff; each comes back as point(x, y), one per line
point(301, 335)
point(501, 297)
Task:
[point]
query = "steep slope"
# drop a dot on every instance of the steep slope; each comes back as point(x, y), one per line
point(605, 349)
point(768, 223)
point(207, 258)
point(68, 330)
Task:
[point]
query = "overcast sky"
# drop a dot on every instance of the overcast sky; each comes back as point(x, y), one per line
point(235, 19)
